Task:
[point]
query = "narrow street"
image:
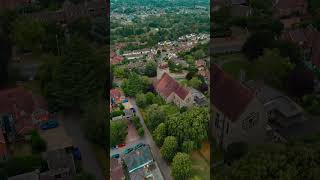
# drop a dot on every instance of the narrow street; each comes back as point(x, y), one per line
point(163, 165)
point(89, 161)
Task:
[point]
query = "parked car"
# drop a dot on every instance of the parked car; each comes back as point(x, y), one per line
point(133, 110)
point(114, 147)
point(121, 145)
point(139, 146)
point(49, 124)
point(77, 154)
point(116, 156)
point(127, 151)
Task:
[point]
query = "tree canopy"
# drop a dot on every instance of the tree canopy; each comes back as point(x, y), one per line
point(181, 166)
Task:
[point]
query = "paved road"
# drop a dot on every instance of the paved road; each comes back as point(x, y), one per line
point(164, 167)
point(89, 161)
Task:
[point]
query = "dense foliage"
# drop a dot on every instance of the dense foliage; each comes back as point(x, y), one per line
point(181, 166)
point(118, 132)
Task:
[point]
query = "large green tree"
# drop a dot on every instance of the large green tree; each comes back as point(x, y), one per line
point(278, 67)
point(159, 134)
point(169, 148)
point(191, 125)
point(151, 69)
point(154, 116)
point(28, 33)
point(135, 84)
point(76, 78)
point(95, 124)
point(118, 132)
point(181, 166)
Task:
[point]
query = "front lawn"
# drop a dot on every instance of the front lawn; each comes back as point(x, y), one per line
point(200, 167)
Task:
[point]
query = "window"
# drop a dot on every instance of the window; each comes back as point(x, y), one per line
point(250, 121)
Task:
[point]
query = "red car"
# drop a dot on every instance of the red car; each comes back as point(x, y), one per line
point(121, 145)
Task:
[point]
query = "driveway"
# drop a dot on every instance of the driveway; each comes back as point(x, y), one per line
point(89, 161)
point(132, 133)
point(164, 167)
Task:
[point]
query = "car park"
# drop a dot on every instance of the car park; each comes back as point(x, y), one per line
point(127, 151)
point(116, 156)
point(139, 146)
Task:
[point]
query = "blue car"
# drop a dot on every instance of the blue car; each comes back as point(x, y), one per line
point(139, 146)
point(127, 151)
point(49, 124)
point(116, 156)
point(77, 154)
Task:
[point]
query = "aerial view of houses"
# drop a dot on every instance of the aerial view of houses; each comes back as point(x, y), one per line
point(265, 89)
point(160, 90)
point(47, 51)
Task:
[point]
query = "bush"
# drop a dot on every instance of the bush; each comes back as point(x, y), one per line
point(235, 151)
point(181, 166)
point(136, 121)
point(169, 148)
point(37, 143)
point(121, 106)
point(117, 113)
point(141, 131)
point(188, 146)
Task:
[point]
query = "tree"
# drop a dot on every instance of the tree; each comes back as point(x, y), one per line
point(181, 166)
point(195, 82)
point(141, 131)
point(94, 123)
point(278, 67)
point(159, 134)
point(120, 72)
point(75, 79)
point(141, 100)
point(289, 49)
point(188, 146)
point(199, 54)
point(256, 43)
point(154, 116)
point(151, 69)
point(37, 143)
point(191, 125)
point(5, 56)
point(118, 132)
point(135, 84)
point(295, 161)
point(28, 33)
point(149, 97)
point(169, 148)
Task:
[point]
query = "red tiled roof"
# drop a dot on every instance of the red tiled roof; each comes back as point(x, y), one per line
point(115, 94)
point(167, 85)
point(229, 96)
point(20, 104)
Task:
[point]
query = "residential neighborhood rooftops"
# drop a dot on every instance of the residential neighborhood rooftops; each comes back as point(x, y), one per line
point(138, 159)
point(230, 96)
point(167, 85)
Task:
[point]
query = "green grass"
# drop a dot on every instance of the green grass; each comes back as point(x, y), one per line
point(200, 167)
point(234, 63)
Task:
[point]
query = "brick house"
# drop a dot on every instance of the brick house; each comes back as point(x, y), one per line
point(20, 112)
point(171, 91)
point(238, 115)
